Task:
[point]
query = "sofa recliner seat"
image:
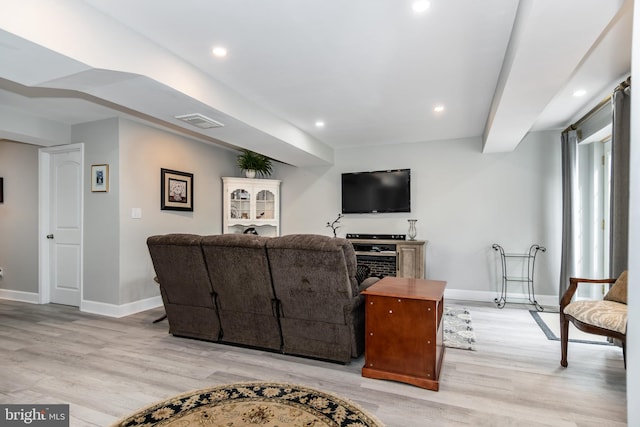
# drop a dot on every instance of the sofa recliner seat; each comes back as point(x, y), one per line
point(322, 313)
point(240, 276)
point(186, 290)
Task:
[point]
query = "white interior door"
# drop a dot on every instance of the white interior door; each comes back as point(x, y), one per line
point(64, 235)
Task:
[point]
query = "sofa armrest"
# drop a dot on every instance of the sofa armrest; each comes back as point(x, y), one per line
point(366, 283)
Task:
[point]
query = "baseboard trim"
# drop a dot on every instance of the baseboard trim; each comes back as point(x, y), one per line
point(461, 294)
point(113, 310)
point(30, 297)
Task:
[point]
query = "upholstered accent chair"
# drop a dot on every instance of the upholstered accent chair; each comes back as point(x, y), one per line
point(185, 287)
point(607, 317)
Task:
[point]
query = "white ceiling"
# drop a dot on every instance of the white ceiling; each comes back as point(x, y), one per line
point(372, 70)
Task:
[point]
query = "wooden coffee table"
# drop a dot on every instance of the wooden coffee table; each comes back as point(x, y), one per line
point(404, 331)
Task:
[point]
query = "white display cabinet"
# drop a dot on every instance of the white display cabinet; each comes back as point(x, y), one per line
point(251, 203)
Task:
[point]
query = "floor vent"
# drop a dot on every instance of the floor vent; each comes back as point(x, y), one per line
point(198, 120)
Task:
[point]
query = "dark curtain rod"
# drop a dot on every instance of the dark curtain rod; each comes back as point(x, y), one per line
point(625, 84)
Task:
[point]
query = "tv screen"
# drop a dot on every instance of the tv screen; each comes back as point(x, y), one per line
point(376, 192)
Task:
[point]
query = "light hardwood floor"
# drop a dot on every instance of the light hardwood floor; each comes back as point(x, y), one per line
point(106, 368)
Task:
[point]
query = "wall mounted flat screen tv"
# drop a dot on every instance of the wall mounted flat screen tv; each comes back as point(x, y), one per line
point(376, 192)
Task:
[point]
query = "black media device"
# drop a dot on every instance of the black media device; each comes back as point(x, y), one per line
point(376, 192)
point(377, 236)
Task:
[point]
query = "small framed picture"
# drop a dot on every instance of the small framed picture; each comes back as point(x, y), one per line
point(99, 178)
point(176, 190)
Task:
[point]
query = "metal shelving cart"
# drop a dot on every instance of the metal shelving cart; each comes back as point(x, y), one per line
point(530, 258)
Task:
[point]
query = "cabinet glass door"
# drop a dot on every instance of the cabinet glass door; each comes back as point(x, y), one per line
point(240, 204)
point(265, 205)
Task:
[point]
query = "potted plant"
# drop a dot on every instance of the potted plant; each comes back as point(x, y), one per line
point(252, 164)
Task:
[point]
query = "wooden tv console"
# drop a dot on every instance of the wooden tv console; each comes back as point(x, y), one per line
point(404, 331)
point(408, 255)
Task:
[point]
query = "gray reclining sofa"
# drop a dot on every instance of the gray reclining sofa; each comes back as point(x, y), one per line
point(296, 294)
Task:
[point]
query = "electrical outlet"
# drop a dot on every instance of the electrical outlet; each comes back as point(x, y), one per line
point(1, 272)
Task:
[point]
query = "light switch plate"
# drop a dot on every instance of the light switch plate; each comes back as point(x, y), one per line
point(136, 213)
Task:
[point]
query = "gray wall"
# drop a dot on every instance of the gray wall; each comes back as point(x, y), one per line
point(464, 201)
point(101, 221)
point(117, 268)
point(633, 327)
point(19, 216)
point(143, 152)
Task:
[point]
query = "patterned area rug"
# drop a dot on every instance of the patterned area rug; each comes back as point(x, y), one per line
point(458, 330)
point(253, 404)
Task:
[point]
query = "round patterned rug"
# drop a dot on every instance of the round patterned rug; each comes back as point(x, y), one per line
point(253, 404)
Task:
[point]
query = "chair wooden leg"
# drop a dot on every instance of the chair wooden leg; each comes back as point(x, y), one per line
point(624, 353)
point(564, 338)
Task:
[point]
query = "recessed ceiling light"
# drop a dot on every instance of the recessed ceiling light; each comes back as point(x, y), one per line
point(580, 92)
point(438, 108)
point(219, 51)
point(420, 6)
point(319, 124)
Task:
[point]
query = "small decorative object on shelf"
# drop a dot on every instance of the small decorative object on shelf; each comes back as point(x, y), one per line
point(530, 258)
point(253, 164)
point(335, 224)
point(412, 233)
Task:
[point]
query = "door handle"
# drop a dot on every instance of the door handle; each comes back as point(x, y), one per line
point(49, 236)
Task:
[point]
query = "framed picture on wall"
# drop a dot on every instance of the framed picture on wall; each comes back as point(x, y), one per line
point(176, 190)
point(99, 178)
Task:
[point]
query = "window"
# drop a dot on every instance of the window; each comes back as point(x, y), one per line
point(594, 178)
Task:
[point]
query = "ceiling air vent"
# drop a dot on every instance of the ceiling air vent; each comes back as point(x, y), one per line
point(198, 120)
